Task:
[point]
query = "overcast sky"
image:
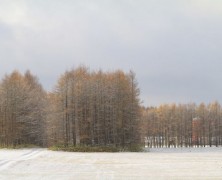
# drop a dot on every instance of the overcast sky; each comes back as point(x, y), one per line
point(174, 46)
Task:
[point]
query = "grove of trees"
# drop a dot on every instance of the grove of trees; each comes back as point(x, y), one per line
point(97, 108)
point(94, 108)
point(86, 108)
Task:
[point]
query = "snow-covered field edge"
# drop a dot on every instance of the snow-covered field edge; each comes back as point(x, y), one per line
point(158, 163)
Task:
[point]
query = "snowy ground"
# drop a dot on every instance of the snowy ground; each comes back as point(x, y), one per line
point(186, 163)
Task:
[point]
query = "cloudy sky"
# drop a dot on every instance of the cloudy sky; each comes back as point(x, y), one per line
point(174, 46)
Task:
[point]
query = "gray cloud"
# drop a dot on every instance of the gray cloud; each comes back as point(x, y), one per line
point(173, 46)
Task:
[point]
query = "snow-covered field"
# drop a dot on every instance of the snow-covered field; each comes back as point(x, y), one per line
point(186, 163)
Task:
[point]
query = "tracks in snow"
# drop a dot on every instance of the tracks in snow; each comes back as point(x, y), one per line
point(27, 155)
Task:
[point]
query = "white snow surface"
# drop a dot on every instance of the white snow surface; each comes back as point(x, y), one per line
point(164, 163)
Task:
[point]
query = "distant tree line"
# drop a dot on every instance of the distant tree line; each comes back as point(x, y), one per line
point(183, 125)
point(86, 108)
